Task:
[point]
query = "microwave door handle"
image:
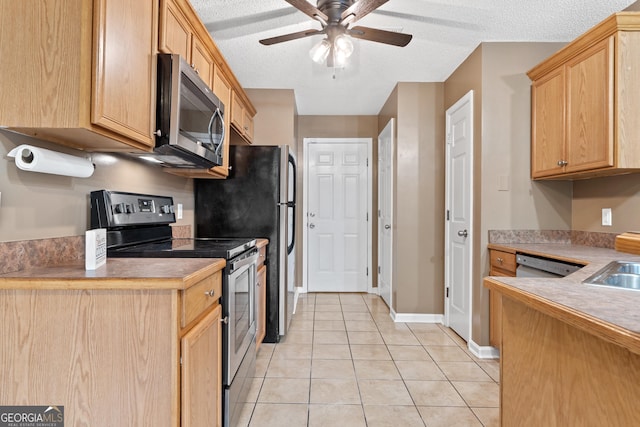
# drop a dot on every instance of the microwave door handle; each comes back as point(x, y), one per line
point(215, 114)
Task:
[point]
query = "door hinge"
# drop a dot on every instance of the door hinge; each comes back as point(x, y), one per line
point(447, 292)
point(367, 216)
point(367, 271)
point(448, 138)
point(379, 213)
point(367, 161)
point(447, 214)
point(379, 270)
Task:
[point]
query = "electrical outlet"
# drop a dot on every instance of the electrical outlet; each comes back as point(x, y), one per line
point(606, 217)
point(179, 213)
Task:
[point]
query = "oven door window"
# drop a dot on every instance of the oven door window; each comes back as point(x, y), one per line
point(243, 294)
point(200, 120)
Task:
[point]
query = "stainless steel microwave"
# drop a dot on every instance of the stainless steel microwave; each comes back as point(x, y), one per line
point(189, 117)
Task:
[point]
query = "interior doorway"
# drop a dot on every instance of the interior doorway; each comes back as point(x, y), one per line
point(458, 218)
point(336, 213)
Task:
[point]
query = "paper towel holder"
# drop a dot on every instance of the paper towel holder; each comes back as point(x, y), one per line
point(35, 159)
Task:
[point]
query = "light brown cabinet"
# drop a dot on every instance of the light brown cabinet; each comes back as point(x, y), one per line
point(584, 104)
point(177, 36)
point(261, 297)
point(501, 264)
point(241, 119)
point(117, 353)
point(68, 76)
point(201, 397)
point(261, 327)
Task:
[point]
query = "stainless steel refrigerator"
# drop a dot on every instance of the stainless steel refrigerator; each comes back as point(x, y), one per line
point(256, 200)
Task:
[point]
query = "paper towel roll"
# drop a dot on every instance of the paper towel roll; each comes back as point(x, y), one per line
point(35, 159)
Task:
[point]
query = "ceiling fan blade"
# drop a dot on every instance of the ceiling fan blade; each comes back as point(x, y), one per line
point(292, 36)
point(360, 9)
point(380, 36)
point(306, 7)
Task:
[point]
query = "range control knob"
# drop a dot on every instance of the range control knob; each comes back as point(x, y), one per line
point(119, 208)
point(129, 209)
point(166, 209)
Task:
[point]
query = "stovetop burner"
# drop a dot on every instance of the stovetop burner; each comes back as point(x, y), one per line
point(185, 248)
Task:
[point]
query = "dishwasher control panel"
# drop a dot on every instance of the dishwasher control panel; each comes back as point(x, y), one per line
point(554, 266)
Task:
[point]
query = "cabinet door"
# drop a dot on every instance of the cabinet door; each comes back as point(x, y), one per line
point(237, 111)
point(261, 283)
point(590, 108)
point(222, 90)
point(201, 402)
point(124, 90)
point(247, 125)
point(547, 125)
point(175, 33)
point(202, 61)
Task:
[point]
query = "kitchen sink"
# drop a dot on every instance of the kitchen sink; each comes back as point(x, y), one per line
point(617, 274)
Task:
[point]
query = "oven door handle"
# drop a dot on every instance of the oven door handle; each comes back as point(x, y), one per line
point(251, 258)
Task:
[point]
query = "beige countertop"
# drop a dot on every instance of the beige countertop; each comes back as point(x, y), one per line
point(611, 314)
point(117, 273)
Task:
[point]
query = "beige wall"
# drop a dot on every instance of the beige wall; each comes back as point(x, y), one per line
point(620, 193)
point(274, 122)
point(418, 275)
point(496, 73)
point(39, 206)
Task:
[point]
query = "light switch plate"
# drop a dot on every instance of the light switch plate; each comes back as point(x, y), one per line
point(179, 212)
point(503, 183)
point(606, 217)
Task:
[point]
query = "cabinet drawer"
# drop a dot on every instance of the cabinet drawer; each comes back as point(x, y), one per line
point(198, 297)
point(262, 256)
point(504, 261)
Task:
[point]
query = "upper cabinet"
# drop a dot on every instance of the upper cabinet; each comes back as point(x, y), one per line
point(585, 104)
point(80, 73)
point(177, 36)
point(182, 32)
point(241, 119)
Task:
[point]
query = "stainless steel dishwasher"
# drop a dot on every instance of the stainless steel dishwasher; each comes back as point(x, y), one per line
point(534, 266)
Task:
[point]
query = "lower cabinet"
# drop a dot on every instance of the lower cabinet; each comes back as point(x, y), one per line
point(202, 373)
point(261, 283)
point(501, 264)
point(115, 357)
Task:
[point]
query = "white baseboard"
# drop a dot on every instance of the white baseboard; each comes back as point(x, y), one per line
point(483, 352)
point(416, 317)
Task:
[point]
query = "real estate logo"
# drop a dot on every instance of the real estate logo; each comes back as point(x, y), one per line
point(31, 416)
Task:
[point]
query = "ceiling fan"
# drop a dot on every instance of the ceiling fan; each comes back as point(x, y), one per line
point(336, 16)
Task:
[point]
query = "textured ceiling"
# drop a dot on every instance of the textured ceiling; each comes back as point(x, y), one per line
point(444, 32)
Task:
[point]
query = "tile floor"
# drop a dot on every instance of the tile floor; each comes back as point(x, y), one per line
point(346, 363)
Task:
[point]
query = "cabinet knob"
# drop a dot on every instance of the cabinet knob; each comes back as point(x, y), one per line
point(225, 320)
point(562, 163)
point(210, 293)
point(500, 260)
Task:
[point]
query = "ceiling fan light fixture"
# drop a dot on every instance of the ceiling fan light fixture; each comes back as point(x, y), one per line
point(320, 51)
point(343, 46)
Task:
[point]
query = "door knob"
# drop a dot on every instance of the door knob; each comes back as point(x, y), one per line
point(387, 226)
point(311, 214)
point(312, 226)
point(463, 233)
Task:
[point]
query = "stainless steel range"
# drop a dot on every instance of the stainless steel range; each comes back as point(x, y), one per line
point(138, 227)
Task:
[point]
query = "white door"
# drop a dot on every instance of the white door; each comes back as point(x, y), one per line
point(459, 202)
point(337, 217)
point(385, 211)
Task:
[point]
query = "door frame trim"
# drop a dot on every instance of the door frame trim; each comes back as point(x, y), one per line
point(305, 201)
point(465, 99)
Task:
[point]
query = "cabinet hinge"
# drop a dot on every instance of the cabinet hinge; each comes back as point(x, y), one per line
point(447, 292)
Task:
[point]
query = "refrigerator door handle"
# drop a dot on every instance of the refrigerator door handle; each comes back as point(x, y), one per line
point(291, 203)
